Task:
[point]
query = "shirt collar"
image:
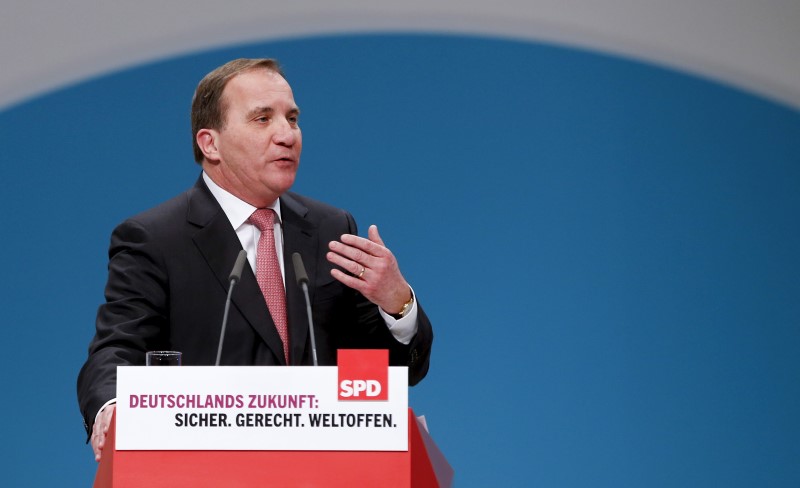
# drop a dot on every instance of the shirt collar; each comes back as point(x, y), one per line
point(237, 211)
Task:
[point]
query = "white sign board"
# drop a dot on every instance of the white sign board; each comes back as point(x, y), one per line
point(257, 408)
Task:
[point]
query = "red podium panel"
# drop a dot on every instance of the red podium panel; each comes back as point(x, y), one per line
point(422, 466)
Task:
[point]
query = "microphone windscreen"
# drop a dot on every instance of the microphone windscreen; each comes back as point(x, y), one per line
point(236, 272)
point(299, 269)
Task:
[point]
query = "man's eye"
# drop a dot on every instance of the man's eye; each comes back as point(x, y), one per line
point(293, 120)
point(262, 119)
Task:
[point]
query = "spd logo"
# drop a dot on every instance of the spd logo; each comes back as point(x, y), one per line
point(363, 374)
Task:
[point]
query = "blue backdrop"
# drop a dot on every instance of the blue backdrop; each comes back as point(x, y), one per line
point(608, 249)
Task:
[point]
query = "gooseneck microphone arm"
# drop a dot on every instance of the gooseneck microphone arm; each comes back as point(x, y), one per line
point(302, 281)
point(236, 275)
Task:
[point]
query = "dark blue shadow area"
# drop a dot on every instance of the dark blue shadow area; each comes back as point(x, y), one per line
point(609, 250)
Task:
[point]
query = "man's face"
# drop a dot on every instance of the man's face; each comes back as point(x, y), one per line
point(258, 149)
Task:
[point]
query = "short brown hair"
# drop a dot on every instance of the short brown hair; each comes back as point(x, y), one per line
point(208, 108)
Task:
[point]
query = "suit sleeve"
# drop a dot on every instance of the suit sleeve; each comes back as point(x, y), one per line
point(130, 322)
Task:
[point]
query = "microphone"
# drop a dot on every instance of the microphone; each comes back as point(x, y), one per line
point(302, 282)
point(235, 276)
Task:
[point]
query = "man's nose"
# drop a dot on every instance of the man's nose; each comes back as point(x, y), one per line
point(285, 134)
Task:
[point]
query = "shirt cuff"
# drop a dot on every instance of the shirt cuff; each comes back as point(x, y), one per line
point(110, 402)
point(405, 328)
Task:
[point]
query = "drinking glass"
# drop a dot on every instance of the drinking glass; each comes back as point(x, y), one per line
point(163, 358)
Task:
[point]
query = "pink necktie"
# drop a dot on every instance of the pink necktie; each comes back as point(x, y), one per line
point(268, 273)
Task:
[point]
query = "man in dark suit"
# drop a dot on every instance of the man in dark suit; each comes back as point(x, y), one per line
point(169, 266)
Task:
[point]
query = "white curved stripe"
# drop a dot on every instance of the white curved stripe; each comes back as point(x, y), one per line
point(752, 45)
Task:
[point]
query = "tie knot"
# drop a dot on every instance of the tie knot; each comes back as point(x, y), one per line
point(263, 219)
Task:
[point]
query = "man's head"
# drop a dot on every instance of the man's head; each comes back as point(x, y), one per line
point(246, 136)
point(208, 106)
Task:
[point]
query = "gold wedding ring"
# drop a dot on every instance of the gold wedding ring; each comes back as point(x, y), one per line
point(362, 272)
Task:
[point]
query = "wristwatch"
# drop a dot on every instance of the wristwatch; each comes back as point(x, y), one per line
point(406, 308)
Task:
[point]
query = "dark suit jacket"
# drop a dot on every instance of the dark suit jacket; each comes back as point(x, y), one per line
point(168, 279)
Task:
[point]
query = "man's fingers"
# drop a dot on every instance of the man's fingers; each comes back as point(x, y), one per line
point(344, 263)
point(372, 269)
point(348, 280)
point(360, 244)
point(100, 429)
point(374, 236)
point(364, 252)
point(97, 445)
point(351, 258)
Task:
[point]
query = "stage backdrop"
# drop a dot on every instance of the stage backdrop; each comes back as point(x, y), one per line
point(608, 249)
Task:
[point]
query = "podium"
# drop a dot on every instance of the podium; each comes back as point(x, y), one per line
point(234, 427)
point(422, 466)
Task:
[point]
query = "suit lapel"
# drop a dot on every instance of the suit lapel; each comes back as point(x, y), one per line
point(299, 236)
point(219, 245)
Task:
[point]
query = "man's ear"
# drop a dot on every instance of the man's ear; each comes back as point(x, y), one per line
point(207, 142)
